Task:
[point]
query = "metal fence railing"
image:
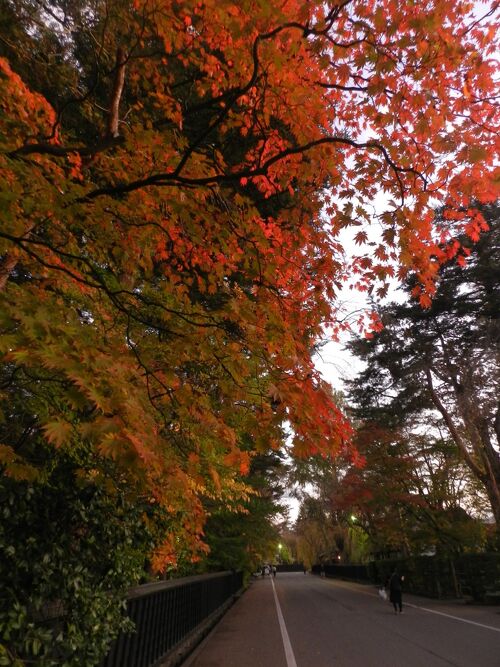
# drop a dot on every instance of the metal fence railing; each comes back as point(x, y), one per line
point(166, 612)
point(290, 567)
point(355, 572)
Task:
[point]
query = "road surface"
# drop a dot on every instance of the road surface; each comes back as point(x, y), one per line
point(298, 620)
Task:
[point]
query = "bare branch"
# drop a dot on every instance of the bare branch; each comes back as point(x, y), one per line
point(118, 83)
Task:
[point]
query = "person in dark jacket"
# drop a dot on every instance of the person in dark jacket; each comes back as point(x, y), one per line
point(396, 591)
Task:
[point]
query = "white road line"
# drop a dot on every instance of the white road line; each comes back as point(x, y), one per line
point(431, 611)
point(456, 618)
point(290, 658)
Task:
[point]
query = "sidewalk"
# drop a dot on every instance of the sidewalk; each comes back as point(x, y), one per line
point(247, 636)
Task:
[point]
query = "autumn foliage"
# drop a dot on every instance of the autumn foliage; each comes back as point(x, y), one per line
point(175, 182)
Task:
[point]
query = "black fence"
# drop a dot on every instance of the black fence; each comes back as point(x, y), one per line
point(473, 577)
point(290, 567)
point(166, 612)
point(353, 572)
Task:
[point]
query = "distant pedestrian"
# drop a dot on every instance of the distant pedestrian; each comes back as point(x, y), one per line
point(396, 591)
point(274, 570)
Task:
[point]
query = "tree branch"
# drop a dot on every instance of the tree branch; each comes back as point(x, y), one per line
point(173, 179)
point(118, 83)
point(63, 151)
point(453, 429)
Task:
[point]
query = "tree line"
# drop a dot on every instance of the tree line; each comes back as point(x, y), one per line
point(427, 415)
point(176, 177)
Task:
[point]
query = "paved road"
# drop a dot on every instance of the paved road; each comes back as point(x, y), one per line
point(304, 621)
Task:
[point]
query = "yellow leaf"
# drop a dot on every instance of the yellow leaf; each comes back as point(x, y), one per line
point(57, 432)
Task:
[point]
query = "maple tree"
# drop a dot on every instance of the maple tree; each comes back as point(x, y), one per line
point(412, 495)
point(175, 179)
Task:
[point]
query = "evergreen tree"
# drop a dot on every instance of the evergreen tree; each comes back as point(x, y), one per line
point(444, 358)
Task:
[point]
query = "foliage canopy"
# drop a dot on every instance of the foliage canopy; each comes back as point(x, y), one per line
point(175, 178)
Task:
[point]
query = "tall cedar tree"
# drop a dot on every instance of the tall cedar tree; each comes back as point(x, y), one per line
point(175, 177)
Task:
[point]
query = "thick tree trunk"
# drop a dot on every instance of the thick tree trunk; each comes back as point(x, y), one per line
point(474, 444)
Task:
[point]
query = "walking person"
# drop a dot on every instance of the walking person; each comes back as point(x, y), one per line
point(396, 591)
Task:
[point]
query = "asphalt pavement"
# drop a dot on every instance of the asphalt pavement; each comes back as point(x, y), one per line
point(298, 620)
